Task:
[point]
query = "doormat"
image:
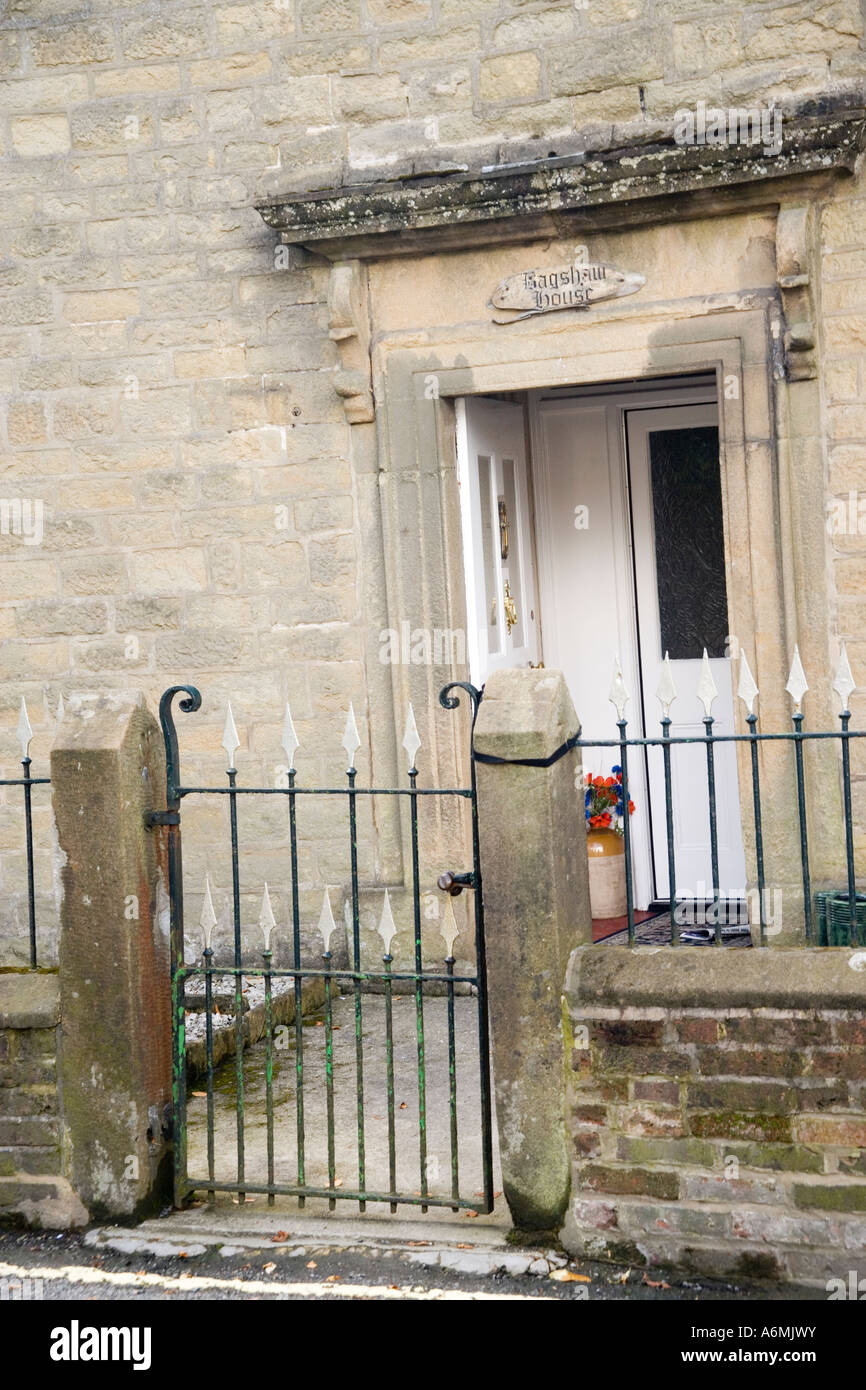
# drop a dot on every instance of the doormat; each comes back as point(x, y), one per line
point(657, 932)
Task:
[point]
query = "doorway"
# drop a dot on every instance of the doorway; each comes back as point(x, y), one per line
point(612, 502)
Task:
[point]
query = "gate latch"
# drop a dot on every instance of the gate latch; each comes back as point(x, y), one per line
point(455, 883)
point(153, 818)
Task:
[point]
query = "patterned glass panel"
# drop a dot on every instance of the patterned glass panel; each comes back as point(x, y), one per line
point(511, 570)
point(488, 540)
point(689, 541)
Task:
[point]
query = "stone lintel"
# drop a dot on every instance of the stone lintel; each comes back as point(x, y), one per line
point(399, 215)
point(689, 977)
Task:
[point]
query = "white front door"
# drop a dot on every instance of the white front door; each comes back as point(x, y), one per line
point(601, 517)
point(681, 607)
point(497, 535)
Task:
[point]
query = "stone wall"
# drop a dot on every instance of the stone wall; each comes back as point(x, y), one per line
point(719, 1111)
point(166, 389)
point(32, 1185)
point(843, 354)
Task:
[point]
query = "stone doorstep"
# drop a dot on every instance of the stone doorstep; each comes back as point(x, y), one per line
point(225, 1036)
point(222, 997)
point(46, 1203)
point(235, 1234)
point(29, 999)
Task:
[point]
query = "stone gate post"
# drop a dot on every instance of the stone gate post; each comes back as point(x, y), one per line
point(536, 902)
point(107, 770)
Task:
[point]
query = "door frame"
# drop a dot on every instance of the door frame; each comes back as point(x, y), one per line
point(415, 383)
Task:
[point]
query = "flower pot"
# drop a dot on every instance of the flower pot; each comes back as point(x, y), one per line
point(606, 853)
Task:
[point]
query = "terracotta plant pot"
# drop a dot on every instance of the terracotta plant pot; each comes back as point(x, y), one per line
point(606, 852)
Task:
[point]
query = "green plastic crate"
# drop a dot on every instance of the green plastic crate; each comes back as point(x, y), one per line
point(834, 919)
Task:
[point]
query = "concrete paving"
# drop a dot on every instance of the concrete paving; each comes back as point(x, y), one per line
point(406, 1111)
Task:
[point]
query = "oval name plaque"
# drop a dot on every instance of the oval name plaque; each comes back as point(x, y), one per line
point(574, 286)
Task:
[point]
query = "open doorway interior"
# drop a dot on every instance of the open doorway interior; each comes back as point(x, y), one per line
point(593, 530)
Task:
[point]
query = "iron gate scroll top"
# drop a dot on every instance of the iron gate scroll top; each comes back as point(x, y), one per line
point(398, 1110)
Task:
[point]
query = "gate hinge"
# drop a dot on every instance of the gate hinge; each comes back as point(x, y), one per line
point(152, 818)
point(455, 883)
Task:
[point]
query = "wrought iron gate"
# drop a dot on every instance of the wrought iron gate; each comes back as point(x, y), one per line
point(458, 997)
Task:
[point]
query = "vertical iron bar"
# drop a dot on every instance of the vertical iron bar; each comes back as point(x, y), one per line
point(419, 989)
point(452, 1083)
point(481, 971)
point(208, 1044)
point(752, 720)
point(178, 1007)
point(622, 724)
point(356, 965)
point(31, 891)
point(269, 1072)
point(669, 826)
point(191, 702)
point(239, 1000)
point(389, 1078)
point(296, 954)
point(714, 830)
point(804, 840)
point(853, 929)
point(329, 1077)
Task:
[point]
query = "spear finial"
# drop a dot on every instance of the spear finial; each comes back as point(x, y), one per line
point(267, 921)
point(747, 688)
point(387, 927)
point(411, 737)
point(208, 918)
point(351, 738)
point(290, 741)
point(843, 683)
point(230, 742)
point(25, 732)
point(619, 696)
point(797, 683)
point(667, 691)
point(327, 925)
point(707, 688)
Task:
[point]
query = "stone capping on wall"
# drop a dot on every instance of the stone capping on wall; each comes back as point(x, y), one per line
point(394, 215)
point(29, 999)
point(696, 976)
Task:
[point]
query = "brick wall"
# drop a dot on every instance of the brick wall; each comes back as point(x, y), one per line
point(32, 1185)
point(727, 1139)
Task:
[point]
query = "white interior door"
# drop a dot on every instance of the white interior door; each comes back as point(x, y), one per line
point(586, 584)
point(497, 535)
point(681, 604)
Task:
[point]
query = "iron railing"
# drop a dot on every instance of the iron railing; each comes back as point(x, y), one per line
point(796, 738)
point(26, 782)
point(354, 978)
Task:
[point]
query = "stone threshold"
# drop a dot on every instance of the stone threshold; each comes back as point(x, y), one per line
point(225, 1032)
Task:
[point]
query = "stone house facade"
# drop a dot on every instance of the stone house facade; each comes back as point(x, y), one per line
point(247, 254)
point(352, 347)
